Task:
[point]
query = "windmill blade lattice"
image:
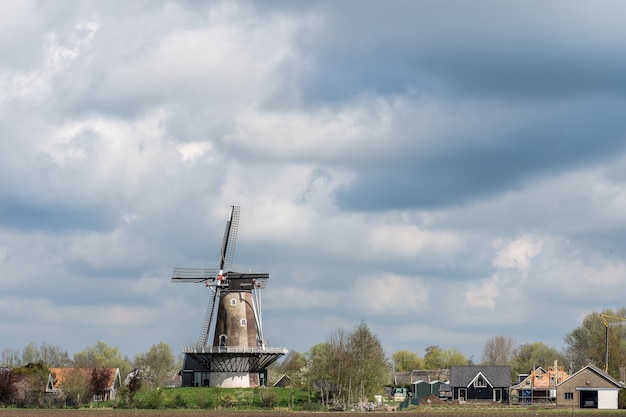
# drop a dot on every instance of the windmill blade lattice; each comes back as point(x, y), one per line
point(227, 253)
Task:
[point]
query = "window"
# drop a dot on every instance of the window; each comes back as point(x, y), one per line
point(233, 302)
point(243, 322)
point(480, 382)
point(569, 395)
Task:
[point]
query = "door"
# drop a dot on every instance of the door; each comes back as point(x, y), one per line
point(497, 394)
point(462, 395)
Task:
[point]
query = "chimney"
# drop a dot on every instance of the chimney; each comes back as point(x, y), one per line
point(622, 373)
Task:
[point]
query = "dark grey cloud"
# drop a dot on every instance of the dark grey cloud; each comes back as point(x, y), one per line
point(562, 139)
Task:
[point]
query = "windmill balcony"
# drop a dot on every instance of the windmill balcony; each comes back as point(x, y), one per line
point(235, 349)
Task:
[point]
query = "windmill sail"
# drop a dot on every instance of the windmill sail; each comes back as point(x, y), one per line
point(227, 252)
point(208, 318)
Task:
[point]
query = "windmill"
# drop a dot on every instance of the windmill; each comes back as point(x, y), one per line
point(231, 349)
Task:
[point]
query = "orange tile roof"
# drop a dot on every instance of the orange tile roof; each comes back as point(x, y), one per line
point(62, 374)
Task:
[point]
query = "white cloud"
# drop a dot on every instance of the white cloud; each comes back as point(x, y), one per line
point(516, 254)
point(390, 294)
point(483, 294)
point(392, 241)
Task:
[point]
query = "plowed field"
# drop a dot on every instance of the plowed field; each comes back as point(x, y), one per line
point(218, 413)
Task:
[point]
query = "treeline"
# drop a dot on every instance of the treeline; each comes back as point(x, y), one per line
point(583, 345)
point(351, 365)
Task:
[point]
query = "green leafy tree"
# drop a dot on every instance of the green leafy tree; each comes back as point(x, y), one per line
point(587, 343)
point(319, 370)
point(530, 355)
point(349, 366)
point(369, 367)
point(157, 365)
point(36, 377)
point(293, 366)
point(76, 385)
point(433, 358)
point(437, 358)
point(453, 357)
point(102, 355)
point(406, 361)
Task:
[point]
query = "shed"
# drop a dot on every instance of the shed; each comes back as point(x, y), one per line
point(422, 389)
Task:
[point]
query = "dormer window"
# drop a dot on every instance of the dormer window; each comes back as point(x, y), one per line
point(480, 382)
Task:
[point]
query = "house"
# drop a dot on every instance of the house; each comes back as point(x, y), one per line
point(474, 383)
point(588, 388)
point(538, 386)
point(63, 379)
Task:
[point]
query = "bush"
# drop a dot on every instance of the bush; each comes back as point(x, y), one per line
point(228, 400)
point(179, 401)
point(268, 399)
point(153, 399)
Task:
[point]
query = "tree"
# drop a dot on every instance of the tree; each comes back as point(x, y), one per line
point(319, 373)
point(292, 365)
point(8, 386)
point(433, 358)
point(453, 357)
point(535, 354)
point(157, 365)
point(133, 383)
point(437, 358)
point(99, 382)
point(369, 367)
point(101, 355)
point(406, 361)
point(499, 351)
point(36, 376)
point(11, 358)
point(52, 356)
point(76, 385)
point(349, 366)
point(587, 343)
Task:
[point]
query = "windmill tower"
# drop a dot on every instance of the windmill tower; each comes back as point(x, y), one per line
point(231, 350)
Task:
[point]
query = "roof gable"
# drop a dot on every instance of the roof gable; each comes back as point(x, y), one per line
point(597, 371)
point(480, 377)
point(463, 376)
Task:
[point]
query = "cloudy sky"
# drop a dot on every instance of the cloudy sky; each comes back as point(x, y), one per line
point(445, 171)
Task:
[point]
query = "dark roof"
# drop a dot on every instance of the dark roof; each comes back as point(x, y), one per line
point(462, 376)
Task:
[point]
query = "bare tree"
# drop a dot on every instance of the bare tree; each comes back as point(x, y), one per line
point(499, 350)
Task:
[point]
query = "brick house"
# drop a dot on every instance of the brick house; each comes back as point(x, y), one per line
point(588, 388)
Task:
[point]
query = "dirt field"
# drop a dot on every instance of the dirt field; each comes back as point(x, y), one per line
point(205, 413)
